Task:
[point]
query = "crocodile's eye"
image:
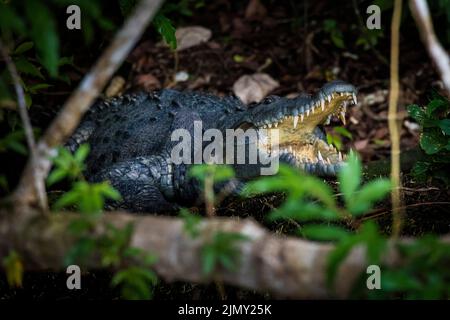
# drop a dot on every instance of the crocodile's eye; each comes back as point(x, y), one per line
point(245, 126)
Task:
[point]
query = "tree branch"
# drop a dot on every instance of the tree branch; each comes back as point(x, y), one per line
point(394, 130)
point(438, 55)
point(284, 266)
point(81, 99)
point(38, 185)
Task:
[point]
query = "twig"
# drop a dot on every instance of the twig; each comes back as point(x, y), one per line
point(81, 99)
point(438, 55)
point(38, 185)
point(397, 211)
point(380, 212)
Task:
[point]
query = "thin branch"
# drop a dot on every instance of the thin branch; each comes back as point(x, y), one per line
point(438, 55)
point(38, 185)
point(81, 99)
point(393, 121)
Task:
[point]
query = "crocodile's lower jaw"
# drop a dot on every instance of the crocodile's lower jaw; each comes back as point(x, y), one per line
point(297, 142)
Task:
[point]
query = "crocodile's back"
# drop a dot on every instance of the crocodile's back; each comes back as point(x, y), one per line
point(141, 124)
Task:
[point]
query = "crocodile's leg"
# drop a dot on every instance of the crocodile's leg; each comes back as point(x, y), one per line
point(81, 135)
point(145, 184)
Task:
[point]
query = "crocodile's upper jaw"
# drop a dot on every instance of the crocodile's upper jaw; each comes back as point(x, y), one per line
point(296, 130)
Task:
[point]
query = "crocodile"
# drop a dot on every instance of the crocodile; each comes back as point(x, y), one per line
point(131, 144)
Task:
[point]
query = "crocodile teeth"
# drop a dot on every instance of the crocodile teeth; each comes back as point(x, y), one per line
point(319, 155)
point(342, 117)
point(302, 117)
point(295, 121)
point(307, 113)
point(275, 124)
point(340, 156)
point(355, 101)
point(329, 99)
point(322, 104)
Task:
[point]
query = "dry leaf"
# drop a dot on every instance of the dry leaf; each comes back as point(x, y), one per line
point(253, 88)
point(115, 87)
point(147, 82)
point(191, 36)
point(255, 10)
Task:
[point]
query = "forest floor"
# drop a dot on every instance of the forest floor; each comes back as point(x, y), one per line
point(301, 56)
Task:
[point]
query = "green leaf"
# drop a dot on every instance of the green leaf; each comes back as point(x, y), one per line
point(324, 232)
point(26, 67)
point(82, 153)
point(208, 261)
point(66, 61)
point(338, 255)
point(191, 222)
point(10, 20)
point(350, 177)
point(445, 126)
point(44, 34)
point(433, 141)
point(417, 113)
point(4, 185)
point(55, 176)
point(343, 132)
point(369, 194)
point(302, 211)
point(37, 87)
point(23, 47)
point(338, 40)
point(68, 199)
point(165, 28)
point(126, 6)
point(374, 241)
point(435, 107)
point(109, 192)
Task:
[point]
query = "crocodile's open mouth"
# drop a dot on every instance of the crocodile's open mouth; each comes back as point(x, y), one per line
point(300, 141)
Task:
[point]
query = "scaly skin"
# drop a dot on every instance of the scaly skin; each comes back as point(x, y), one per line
point(130, 139)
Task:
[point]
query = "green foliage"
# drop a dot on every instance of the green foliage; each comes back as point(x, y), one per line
point(136, 280)
point(161, 22)
point(191, 223)
point(37, 22)
point(360, 199)
point(425, 275)
point(14, 141)
point(434, 121)
point(336, 36)
point(221, 251)
point(86, 197)
point(300, 189)
point(165, 28)
point(136, 283)
point(13, 267)
point(309, 199)
point(369, 38)
point(335, 138)
point(367, 236)
point(111, 246)
point(218, 173)
point(182, 7)
point(68, 165)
